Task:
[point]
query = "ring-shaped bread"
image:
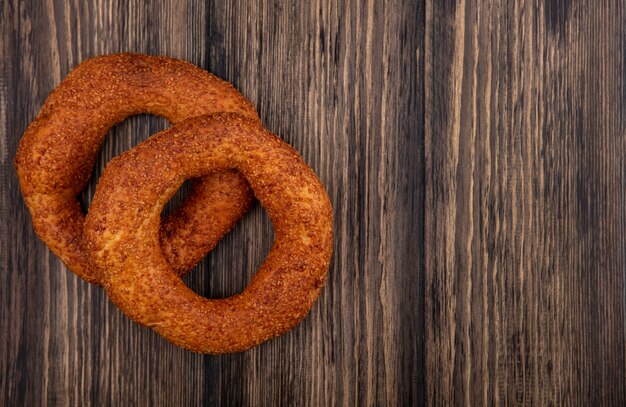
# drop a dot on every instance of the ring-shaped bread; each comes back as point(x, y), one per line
point(121, 233)
point(56, 156)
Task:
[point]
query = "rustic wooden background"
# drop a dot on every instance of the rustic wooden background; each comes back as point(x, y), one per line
point(475, 158)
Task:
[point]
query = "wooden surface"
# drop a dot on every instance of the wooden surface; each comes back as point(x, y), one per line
point(474, 153)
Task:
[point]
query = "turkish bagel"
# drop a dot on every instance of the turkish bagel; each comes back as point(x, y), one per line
point(57, 153)
point(122, 234)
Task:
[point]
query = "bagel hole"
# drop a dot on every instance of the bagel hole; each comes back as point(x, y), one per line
point(177, 199)
point(122, 137)
point(230, 266)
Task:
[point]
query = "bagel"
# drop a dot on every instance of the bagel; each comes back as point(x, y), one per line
point(122, 234)
point(57, 153)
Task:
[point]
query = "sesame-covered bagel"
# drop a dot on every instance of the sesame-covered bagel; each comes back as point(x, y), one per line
point(56, 156)
point(122, 234)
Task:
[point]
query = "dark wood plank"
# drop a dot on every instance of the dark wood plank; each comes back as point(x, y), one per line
point(66, 344)
point(525, 233)
point(342, 83)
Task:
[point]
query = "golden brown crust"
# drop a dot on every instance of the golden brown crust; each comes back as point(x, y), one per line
point(121, 233)
point(58, 151)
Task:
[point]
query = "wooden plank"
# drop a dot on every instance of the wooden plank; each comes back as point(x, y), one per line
point(525, 230)
point(342, 83)
point(65, 343)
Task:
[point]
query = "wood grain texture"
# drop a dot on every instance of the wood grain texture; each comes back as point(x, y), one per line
point(341, 83)
point(474, 153)
point(524, 203)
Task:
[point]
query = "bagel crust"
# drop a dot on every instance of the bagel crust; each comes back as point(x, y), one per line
point(57, 153)
point(122, 234)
